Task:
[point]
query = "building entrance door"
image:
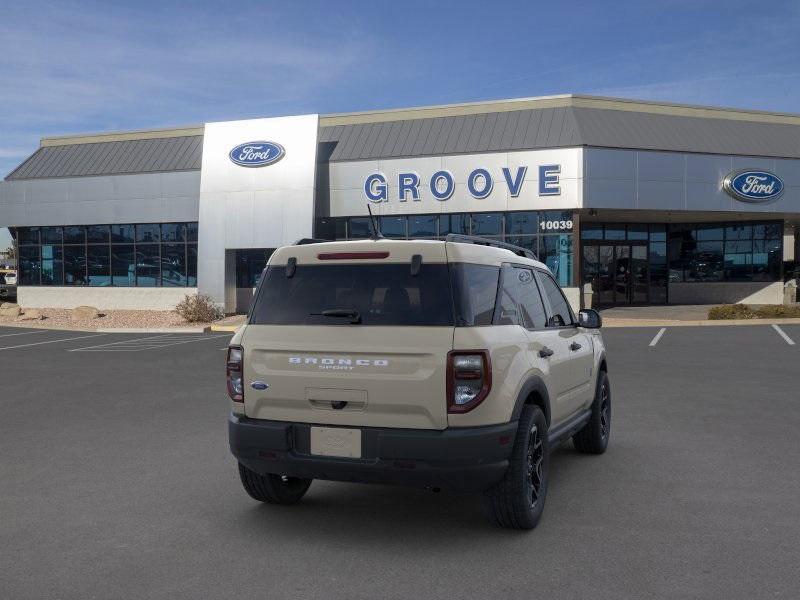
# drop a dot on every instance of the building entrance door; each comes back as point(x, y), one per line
point(618, 272)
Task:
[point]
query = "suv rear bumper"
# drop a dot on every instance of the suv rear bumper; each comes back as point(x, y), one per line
point(461, 459)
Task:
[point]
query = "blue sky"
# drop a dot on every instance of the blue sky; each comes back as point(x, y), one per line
point(74, 67)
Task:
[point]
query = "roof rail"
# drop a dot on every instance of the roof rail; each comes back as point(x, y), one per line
point(306, 241)
point(481, 241)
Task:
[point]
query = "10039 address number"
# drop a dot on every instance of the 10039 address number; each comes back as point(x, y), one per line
point(556, 225)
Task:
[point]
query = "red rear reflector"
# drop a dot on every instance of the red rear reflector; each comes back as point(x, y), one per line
point(351, 255)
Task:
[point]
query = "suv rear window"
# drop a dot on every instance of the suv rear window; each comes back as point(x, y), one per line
point(381, 294)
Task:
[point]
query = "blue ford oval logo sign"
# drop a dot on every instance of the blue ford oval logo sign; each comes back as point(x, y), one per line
point(753, 186)
point(257, 154)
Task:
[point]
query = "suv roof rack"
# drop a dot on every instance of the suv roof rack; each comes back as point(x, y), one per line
point(306, 241)
point(481, 241)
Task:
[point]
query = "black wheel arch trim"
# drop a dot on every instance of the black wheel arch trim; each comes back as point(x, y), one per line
point(533, 385)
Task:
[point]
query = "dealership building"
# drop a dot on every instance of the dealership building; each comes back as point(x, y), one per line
point(648, 203)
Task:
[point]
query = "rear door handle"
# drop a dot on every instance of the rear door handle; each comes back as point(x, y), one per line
point(545, 352)
point(574, 346)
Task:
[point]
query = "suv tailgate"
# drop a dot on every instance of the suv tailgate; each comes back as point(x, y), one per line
point(363, 376)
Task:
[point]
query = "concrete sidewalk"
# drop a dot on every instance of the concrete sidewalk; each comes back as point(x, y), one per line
point(675, 316)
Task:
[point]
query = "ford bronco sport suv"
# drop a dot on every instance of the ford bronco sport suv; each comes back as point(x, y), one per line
point(454, 364)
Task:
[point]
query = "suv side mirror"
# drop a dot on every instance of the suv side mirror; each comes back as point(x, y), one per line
point(590, 319)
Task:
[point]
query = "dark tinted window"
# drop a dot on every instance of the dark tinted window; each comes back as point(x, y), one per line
point(560, 313)
point(173, 232)
point(51, 235)
point(99, 262)
point(393, 227)
point(360, 227)
point(97, 234)
point(474, 293)
point(74, 265)
point(74, 234)
point(28, 235)
point(382, 294)
point(148, 263)
point(150, 232)
point(173, 265)
point(123, 265)
point(519, 300)
point(122, 234)
point(522, 223)
point(422, 226)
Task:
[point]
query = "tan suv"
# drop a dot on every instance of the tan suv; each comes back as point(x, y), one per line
point(453, 364)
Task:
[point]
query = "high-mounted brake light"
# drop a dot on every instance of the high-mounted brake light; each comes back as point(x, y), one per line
point(469, 379)
point(234, 370)
point(351, 255)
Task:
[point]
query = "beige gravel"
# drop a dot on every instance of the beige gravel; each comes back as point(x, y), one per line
point(56, 318)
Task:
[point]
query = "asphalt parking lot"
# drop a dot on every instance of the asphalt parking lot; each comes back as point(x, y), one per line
point(116, 482)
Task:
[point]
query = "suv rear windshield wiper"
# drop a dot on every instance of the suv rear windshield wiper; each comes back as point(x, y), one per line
point(343, 313)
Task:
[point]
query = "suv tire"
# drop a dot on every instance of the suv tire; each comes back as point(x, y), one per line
point(517, 501)
point(593, 438)
point(273, 489)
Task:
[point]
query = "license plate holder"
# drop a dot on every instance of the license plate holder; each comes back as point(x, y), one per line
point(340, 442)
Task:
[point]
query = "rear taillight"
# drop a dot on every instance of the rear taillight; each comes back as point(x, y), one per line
point(234, 372)
point(469, 379)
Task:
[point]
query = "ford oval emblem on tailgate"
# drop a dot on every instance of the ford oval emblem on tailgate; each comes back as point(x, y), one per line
point(259, 385)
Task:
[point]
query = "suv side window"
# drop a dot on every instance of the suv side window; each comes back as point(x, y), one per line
point(560, 314)
point(519, 301)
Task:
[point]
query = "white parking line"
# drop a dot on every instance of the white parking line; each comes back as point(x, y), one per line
point(151, 337)
point(153, 343)
point(25, 333)
point(658, 336)
point(782, 333)
point(82, 337)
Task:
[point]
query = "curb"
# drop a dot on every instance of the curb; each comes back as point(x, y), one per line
point(226, 328)
point(619, 323)
point(153, 330)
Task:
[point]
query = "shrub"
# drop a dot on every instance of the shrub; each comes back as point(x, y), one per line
point(731, 311)
point(746, 311)
point(197, 308)
point(778, 311)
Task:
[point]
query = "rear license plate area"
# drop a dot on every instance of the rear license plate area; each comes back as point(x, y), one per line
point(336, 441)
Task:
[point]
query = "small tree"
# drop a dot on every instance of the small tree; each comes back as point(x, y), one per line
point(10, 252)
point(198, 308)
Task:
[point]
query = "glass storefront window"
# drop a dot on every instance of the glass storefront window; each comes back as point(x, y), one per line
point(122, 234)
point(52, 265)
point(359, 228)
point(106, 255)
point(74, 235)
point(637, 232)
point(522, 223)
point(148, 233)
point(614, 231)
point(97, 234)
point(74, 265)
point(51, 235)
point(455, 223)
point(393, 227)
point(591, 231)
point(27, 235)
point(739, 231)
point(191, 267)
point(29, 264)
point(328, 228)
point(123, 265)
point(173, 232)
point(556, 252)
point(487, 224)
point(148, 265)
point(173, 265)
point(98, 260)
point(423, 226)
